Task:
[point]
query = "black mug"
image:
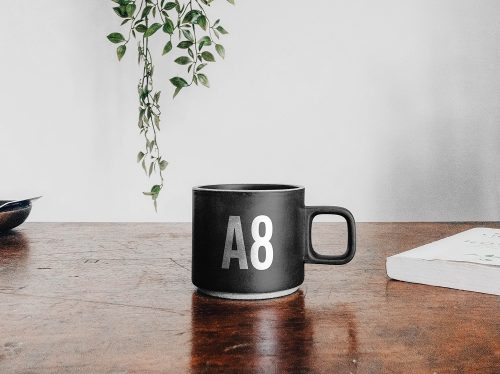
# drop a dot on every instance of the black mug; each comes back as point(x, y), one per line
point(250, 241)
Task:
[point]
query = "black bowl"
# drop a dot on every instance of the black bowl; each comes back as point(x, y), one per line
point(13, 216)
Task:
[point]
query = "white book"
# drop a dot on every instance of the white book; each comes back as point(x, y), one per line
point(467, 261)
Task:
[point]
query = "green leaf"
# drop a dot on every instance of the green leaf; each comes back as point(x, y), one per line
point(207, 56)
point(203, 80)
point(141, 28)
point(187, 34)
point(156, 189)
point(169, 6)
point(130, 9)
point(201, 66)
point(152, 29)
point(151, 169)
point(167, 48)
point(202, 22)
point(177, 90)
point(230, 2)
point(168, 26)
point(144, 164)
point(178, 82)
point(192, 16)
point(146, 11)
point(120, 51)
point(140, 156)
point(220, 50)
point(116, 37)
point(157, 121)
point(184, 44)
point(183, 60)
point(205, 40)
point(163, 165)
point(121, 11)
point(221, 29)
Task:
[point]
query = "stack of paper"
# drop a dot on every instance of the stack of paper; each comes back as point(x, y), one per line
point(467, 261)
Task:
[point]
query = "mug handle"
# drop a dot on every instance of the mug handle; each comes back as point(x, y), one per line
point(315, 258)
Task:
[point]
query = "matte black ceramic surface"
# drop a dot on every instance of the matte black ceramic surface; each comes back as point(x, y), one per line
point(254, 239)
point(13, 216)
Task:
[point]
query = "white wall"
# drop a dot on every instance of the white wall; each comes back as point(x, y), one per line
point(390, 108)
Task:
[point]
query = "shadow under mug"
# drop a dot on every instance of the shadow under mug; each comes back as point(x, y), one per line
point(250, 241)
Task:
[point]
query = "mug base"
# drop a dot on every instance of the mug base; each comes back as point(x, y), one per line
point(248, 296)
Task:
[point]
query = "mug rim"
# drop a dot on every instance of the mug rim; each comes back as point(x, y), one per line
point(248, 187)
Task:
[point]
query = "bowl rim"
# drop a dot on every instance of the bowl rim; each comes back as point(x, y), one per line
point(14, 208)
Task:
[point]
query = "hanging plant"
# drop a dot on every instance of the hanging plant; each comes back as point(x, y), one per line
point(187, 30)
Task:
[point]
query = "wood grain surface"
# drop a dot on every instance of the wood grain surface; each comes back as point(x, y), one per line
point(118, 298)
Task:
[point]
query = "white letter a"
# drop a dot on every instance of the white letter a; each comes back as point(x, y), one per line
point(234, 229)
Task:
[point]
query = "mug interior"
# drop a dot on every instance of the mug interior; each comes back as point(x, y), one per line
point(248, 187)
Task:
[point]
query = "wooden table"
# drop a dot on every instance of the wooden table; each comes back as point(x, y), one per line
point(118, 298)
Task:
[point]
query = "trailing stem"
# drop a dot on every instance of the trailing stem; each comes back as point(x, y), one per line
point(185, 24)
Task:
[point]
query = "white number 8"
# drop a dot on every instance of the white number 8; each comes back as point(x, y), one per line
point(261, 241)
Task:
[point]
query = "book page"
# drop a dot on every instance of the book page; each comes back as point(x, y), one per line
point(479, 245)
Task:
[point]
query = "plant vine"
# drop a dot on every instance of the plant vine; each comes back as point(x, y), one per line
point(184, 23)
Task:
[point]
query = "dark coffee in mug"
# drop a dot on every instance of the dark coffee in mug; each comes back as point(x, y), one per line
point(250, 241)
